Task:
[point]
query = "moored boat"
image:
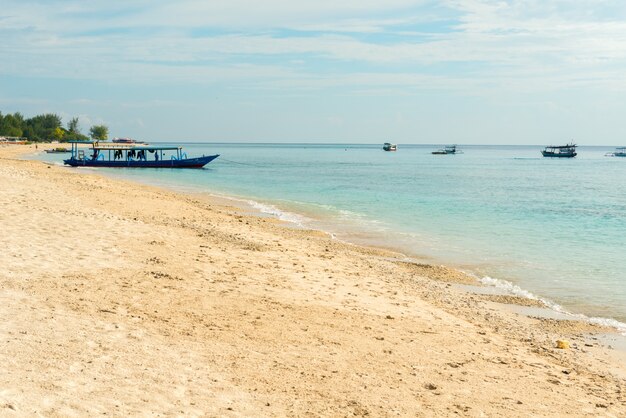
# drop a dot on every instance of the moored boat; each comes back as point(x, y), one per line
point(128, 141)
point(387, 146)
point(560, 151)
point(619, 152)
point(58, 150)
point(448, 149)
point(102, 154)
point(12, 140)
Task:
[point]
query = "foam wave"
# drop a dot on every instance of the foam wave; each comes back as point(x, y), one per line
point(515, 290)
point(278, 213)
point(509, 288)
point(268, 209)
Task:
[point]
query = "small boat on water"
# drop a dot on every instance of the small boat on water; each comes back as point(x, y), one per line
point(58, 150)
point(127, 141)
point(560, 151)
point(103, 154)
point(387, 146)
point(12, 140)
point(448, 149)
point(619, 152)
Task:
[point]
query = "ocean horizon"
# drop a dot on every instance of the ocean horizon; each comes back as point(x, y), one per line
point(534, 226)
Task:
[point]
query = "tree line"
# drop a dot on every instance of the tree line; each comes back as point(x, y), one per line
point(47, 127)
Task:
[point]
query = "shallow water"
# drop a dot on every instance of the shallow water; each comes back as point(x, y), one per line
point(554, 227)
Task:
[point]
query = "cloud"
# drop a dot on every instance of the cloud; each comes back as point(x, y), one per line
point(522, 44)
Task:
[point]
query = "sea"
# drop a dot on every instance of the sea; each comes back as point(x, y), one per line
point(546, 228)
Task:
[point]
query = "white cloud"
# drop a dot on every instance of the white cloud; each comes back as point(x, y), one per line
point(523, 44)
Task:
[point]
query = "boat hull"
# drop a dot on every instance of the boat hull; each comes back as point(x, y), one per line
point(559, 155)
point(183, 163)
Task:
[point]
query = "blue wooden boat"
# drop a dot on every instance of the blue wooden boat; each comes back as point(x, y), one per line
point(103, 154)
point(560, 151)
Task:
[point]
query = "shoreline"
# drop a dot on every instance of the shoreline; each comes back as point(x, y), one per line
point(272, 209)
point(500, 286)
point(345, 285)
point(360, 236)
point(309, 221)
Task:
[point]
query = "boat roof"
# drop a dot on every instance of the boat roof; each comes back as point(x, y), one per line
point(132, 148)
point(562, 146)
point(101, 145)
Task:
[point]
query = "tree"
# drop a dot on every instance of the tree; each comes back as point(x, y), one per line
point(58, 133)
point(11, 125)
point(72, 126)
point(99, 132)
point(43, 126)
point(38, 128)
point(29, 133)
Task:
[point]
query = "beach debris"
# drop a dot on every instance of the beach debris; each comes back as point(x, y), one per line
point(562, 344)
point(430, 386)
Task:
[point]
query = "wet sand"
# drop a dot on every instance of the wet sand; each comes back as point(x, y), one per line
point(125, 299)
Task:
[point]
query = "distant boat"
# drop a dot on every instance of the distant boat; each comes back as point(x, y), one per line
point(127, 141)
point(448, 149)
point(390, 147)
point(58, 150)
point(12, 140)
point(102, 154)
point(560, 151)
point(619, 152)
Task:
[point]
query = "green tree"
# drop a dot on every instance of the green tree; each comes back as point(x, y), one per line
point(58, 134)
point(11, 125)
point(72, 126)
point(43, 126)
point(99, 132)
point(29, 133)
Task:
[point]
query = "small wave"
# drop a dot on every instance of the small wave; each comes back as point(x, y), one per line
point(350, 214)
point(267, 209)
point(278, 213)
point(508, 287)
point(515, 290)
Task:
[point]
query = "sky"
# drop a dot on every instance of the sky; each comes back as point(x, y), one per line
point(351, 71)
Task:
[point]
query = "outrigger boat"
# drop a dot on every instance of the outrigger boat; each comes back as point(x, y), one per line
point(58, 150)
point(390, 147)
point(103, 154)
point(560, 151)
point(619, 152)
point(449, 149)
point(127, 141)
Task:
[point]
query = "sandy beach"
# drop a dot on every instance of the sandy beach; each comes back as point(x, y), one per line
point(122, 299)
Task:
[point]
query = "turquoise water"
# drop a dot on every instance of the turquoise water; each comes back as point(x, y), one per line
point(554, 227)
